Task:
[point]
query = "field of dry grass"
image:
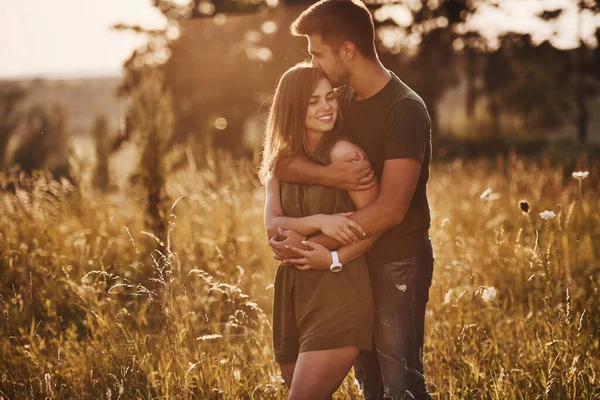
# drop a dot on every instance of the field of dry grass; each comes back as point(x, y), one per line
point(90, 309)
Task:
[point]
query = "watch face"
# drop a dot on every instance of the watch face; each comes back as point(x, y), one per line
point(336, 268)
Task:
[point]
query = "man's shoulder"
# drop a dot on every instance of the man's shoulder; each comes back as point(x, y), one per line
point(403, 94)
point(407, 108)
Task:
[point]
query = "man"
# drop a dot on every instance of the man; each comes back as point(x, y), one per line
point(391, 123)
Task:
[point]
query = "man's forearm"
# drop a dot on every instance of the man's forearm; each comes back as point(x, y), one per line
point(375, 219)
point(349, 253)
point(300, 169)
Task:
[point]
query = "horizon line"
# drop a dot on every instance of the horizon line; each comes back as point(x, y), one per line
point(84, 74)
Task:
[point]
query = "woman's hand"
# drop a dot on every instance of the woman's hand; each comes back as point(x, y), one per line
point(315, 256)
point(341, 228)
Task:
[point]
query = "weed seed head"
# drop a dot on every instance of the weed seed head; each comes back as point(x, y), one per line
point(524, 206)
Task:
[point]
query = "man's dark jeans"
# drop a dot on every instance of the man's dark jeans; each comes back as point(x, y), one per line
point(394, 370)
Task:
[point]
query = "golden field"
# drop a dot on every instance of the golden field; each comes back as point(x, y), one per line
point(90, 309)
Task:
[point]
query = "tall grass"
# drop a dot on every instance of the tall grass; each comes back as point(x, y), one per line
point(91, 308)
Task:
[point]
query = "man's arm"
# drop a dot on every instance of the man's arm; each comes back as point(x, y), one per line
point(278, 238)
point(349, 172)
point(398, 183)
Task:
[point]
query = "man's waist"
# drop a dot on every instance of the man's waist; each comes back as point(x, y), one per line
point(393, 247)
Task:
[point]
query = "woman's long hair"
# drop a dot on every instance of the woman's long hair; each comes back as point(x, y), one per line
point(285, 133)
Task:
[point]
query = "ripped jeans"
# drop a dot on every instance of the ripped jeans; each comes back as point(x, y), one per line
point(394, 370)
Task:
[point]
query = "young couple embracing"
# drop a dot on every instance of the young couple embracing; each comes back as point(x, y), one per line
point(347, 214)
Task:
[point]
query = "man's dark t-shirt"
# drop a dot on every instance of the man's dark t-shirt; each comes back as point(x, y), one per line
point(394, 123)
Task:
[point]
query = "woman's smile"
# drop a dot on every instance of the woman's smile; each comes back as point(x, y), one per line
point(322, 108)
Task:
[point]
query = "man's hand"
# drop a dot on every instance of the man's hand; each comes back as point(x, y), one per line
point(279, 243)
point(316, 257)
point(351, 172)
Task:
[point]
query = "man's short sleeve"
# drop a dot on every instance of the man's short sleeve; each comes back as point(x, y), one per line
point(408, 131)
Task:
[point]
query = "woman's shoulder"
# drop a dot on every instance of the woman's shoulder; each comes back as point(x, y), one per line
point(343, 146)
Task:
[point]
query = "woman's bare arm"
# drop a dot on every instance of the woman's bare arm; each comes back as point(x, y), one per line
point(339, 226)
point(273, 207)
point(319, 256)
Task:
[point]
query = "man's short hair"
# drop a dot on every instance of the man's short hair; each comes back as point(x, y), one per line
point(338, 21)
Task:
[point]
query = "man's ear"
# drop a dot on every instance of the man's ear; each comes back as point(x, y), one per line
point(348, 51)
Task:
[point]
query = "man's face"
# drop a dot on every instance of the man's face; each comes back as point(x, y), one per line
point(332, 65)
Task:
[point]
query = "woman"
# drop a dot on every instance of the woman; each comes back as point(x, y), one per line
point(322, 319)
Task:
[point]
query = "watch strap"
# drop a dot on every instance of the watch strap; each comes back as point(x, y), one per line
point(335, 258)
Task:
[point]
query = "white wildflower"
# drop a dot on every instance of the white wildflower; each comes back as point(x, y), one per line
point(581, 174)
point(547, 215)
point(488, 293)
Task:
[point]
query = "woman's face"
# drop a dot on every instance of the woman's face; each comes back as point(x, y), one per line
point(322, 108)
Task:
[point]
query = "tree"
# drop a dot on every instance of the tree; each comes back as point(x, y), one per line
point(100, 133)
point(527, 80)
point(45, 144)
point(586, 70)
point(10, 116)
point(583, 76)
point(150, 121)
point(433, 38)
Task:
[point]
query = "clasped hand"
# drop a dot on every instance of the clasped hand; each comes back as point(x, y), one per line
point(292, 249)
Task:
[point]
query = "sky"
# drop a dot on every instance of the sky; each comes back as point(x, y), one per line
point(61, 38)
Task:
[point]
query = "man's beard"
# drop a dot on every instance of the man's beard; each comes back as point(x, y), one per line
point(340, 75)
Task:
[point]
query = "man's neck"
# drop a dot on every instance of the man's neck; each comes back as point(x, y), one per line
point(368, 78)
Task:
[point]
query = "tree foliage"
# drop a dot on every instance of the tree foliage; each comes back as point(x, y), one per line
point(150, 125)
point(10, 116)
point(46, 141)
point(100, 132)
point(540, 86)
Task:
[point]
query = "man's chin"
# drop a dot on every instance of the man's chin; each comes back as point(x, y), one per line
point(336, 82)
point(339, 81)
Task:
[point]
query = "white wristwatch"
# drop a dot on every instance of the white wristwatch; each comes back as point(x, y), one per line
point(336, 265)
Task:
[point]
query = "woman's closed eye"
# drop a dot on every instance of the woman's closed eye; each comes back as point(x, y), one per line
point(315, 101)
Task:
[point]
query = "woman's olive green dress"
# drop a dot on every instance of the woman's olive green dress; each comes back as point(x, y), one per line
point(320, 309)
